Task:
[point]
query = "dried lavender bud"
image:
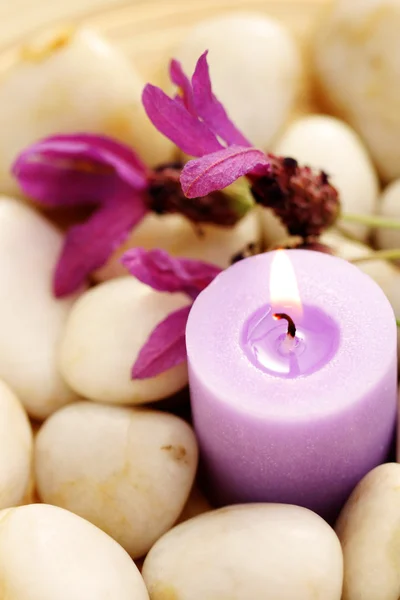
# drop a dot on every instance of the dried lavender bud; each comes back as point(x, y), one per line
point(303, 244)
point(303, 199)
point(224, 208)
point(316, 246)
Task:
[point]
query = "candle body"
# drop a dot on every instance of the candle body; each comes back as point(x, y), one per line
point(303, 440)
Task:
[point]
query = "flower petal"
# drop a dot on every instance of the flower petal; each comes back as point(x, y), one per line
point(165, 347)
point(123, 158)
point(66, 170)
point(165, 273)
point(219, 169)
point(173, 120)
point(209, 108)
point(88, 246)
point(179, 78)
point(55, 183)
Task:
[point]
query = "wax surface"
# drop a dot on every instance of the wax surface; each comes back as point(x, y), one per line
point(303, 440)
point(265, 341)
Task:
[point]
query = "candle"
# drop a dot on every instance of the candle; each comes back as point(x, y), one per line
point(293, 379)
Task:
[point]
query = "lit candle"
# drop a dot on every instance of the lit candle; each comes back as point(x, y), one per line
point(293, 383)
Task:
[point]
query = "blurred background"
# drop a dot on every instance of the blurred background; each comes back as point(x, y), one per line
point(19, 17)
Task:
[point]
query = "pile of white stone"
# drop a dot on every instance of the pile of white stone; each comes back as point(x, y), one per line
point(103, 479)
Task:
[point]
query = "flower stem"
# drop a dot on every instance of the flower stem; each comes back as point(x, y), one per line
point(371, 220)
point(347, 234)
point(398, 322)
point(392, 254)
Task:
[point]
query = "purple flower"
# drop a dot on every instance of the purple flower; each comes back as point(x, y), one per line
point(197, 122)
point(108, 178)
point(165, 347)
point(91, 170)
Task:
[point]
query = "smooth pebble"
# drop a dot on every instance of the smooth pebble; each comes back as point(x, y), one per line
point(72, 81)
point(368, 529)
point(389, 206)
point(196, 504)
point(328, 144)
point(257, 91)
point(179, 237)
point(257, 551)
point(106, 329)
point(15, 449)
point(383, 272)
point(31, 319)
point(274, 232)
point(47, 553)
point(128, 471)
point(386, 274)
point(357, 61)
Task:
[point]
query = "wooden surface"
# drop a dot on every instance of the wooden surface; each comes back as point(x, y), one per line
point(142, 28)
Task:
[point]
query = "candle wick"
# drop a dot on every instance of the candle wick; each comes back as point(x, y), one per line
point(291, 331)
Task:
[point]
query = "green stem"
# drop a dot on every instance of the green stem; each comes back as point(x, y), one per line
point(392, 254)
point(371, 221)
point(346, 234)
point(398, 322)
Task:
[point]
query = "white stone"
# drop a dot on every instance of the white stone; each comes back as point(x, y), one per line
point(257, 551)
point(106, 329)
point(255, 69)
point(47, 553)
point(328, 144)
point(73, 81)
point(389, 206)
point(128, 471)
point(15, 449)
point(368, 528)
point(386, 274)
point(178, 236)
point(383, 272)
point(357, 60)
point(196, 504)
point(31, 319)
point(273, 230)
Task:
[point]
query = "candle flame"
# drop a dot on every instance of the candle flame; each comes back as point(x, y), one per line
point(284, 291)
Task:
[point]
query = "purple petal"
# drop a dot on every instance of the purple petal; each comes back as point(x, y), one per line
point(165, 347)
point(66, 170)
point(179, 78)
point(55, 183)
point(88, 246)
point(164, 273)
point(110, 151)
point(218, 170)
point(176, 123)
point(209, 108)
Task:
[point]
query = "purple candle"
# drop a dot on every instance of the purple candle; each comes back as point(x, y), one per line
point(293, 385)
